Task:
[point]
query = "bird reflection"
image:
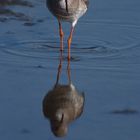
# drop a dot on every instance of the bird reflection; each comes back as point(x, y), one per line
point(62, 104)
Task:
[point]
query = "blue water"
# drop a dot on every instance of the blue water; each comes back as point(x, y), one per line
point(105, 65)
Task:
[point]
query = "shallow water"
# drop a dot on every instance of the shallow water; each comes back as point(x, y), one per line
point(105, 66)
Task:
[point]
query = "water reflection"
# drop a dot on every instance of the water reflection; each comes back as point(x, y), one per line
point(62, 104)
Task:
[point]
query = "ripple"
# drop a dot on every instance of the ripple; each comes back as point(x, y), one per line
point(41, 49)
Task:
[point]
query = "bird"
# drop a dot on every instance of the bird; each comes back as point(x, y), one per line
point(69, 11)
point(62, 105)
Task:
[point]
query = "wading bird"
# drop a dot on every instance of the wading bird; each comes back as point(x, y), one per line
point(70, 11)
point(63, 104)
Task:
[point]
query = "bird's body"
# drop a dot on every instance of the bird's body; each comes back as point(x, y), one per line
point(76, 8)
point(67, 10)
point(62, 105)
point(66, 98)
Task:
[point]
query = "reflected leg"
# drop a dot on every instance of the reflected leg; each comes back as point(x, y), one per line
point(69, 72)
point(59, 69)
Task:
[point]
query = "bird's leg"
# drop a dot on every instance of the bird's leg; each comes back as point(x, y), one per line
point(61, 33)
point(68, 72)
point(69, 42)
point(59, 69)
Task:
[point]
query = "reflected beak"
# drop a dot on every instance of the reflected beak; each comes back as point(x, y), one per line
point(62, 119)
point(66, 1)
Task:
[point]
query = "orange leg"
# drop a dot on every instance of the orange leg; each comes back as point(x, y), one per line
point(68, 72)
point(69, 42)
point(61, 33)
point(59, 68)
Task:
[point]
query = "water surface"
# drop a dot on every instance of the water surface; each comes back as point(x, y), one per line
point(105, 66)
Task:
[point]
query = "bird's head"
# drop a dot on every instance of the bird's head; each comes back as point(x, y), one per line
point(59, 124)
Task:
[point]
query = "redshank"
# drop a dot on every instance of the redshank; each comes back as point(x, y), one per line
point(63, 104)
point(69, 11)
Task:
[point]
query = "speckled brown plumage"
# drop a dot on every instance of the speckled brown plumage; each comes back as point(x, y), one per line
point(76, 8)
point(62, 105)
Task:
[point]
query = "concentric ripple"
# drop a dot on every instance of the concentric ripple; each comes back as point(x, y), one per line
point(50, 49)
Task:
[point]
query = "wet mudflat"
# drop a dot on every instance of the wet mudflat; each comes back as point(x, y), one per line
point(105, 66)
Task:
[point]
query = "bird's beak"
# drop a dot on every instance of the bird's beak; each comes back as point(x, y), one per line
point(62, 119)
point(66, 1)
